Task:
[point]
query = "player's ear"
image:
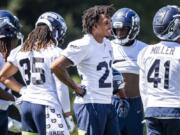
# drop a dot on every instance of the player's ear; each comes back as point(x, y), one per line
point(95, 25)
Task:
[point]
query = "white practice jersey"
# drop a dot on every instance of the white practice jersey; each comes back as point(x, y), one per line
point(125, 57)
point(159, 75)
point(3, 103)
point(2, 62)
point(63, 95)
point(93, 61)
point(34, 67)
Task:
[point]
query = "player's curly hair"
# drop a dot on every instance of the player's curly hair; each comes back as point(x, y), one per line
point(38, 38)
point(6, 45)
point(92, 15)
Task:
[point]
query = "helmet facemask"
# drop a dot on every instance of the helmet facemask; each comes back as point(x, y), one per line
point(125, 20)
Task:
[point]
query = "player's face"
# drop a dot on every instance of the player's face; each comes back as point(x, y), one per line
point(103, 26)
point(9, 43)
point(122, 32)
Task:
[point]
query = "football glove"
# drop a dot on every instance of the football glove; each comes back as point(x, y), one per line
point(14, 125)
point(82, 91)
point(118, 81)
point(70, 123)
point(121, 105)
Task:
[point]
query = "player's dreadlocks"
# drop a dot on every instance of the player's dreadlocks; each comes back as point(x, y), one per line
point(92, 15)
point(39, 38)
point(6, 44)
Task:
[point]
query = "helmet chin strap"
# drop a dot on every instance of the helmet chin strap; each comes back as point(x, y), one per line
point(56, 38)
point(120, 42)
point(125, 40)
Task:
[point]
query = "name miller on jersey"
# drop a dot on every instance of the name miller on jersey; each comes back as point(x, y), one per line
point(162, 50)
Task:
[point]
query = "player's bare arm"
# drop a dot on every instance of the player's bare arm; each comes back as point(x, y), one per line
point(59, 67)
point(7, 71)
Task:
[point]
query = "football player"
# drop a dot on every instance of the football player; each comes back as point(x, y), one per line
point(126, 27)
point(40, 109)
point(92, 54)
point(61, 88)
point(9, 36)
point(159, 74)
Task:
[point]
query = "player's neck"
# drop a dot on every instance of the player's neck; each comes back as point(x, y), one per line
point(98, 38)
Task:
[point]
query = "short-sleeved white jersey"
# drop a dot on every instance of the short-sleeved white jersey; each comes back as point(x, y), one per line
point(2, 62)
point(125, 57)
point(3, 103)
point(93, 61)
point(159, 75)
point(63, 95)
point(34, 67)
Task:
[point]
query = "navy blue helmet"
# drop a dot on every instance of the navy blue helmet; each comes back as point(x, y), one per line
point(55, 23)
point(9, 25)
point(166, 23)
point(126, 17)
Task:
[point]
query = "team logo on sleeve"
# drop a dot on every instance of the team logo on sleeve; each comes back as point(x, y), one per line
point(74, 47)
